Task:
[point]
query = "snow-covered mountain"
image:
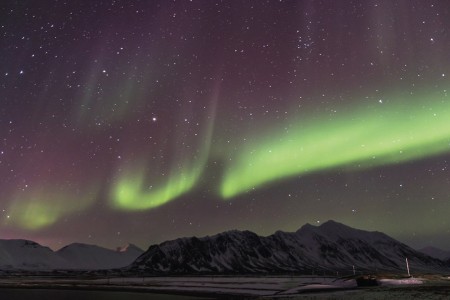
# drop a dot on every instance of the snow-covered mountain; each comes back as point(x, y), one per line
point(436, 253)
point(23, 254)
point(332, 247)
point(84, 256)
point(28, 255)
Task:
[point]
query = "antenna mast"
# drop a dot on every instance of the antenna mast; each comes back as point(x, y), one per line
point(407, 267)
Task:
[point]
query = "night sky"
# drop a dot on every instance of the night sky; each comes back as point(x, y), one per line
point(143, 121)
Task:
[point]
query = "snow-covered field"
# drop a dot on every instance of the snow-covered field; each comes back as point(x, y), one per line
point(268, 287)
point(389, 288)
point(252, 286)
point(431, 292)
point(245, 286)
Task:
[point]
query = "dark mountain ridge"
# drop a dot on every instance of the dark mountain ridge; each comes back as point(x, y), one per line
point(436, 253)
point(331, 247)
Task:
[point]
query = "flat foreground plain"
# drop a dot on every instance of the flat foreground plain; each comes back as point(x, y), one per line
point(216, 287)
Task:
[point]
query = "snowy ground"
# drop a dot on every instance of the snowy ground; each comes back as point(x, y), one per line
point(267, 287)
point(214, 285)
point(431, 292)
point(429, 287)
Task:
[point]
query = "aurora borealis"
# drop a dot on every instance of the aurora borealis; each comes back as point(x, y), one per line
point(142, 121)
point(374, 137)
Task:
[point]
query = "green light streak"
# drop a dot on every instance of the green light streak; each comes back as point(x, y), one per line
point(41, 208)
point(369, 137)
point(130, 192)
point(136, 189)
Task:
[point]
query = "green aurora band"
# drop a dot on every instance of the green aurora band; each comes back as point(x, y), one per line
point(43, 207)
point(413, 128)
point(136, 189)
point(130, 192)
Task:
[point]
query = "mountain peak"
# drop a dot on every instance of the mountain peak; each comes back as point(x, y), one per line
point(327, 226)
point(332, 223)
point(78, 247)
point(129, 248)
point(22, 243)
point(306, 227)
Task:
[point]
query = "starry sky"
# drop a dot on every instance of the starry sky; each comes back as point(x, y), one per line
point(143, 121)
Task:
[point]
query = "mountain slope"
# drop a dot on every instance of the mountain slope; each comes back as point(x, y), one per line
point(24, 254)
point(331, 246)
point(436, 253)
point(84, 256)
point(28, 255)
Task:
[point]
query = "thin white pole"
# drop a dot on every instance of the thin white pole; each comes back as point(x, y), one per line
point(354, 272)
point(407, 267)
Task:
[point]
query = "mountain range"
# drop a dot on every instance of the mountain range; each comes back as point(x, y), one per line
point(331, 247)
point(28, 255)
